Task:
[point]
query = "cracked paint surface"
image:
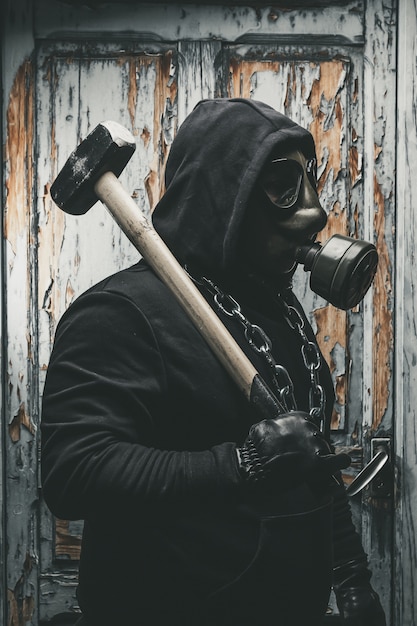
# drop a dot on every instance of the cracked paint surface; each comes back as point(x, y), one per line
point(312, 90)
point(21, 449)
point(148, 90)
point(319, 90)
point(382, 314)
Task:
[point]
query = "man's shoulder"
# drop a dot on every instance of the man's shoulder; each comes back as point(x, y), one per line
point(137, 286)
point(138, 283)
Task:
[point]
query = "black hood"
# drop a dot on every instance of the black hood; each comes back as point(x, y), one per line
point(211, 170)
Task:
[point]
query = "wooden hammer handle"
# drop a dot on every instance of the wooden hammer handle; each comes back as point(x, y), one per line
point(146, 240)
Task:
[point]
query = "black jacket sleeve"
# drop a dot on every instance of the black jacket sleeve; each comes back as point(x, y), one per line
point(104, 386)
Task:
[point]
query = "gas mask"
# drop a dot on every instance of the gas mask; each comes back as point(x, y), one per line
point(341, 270)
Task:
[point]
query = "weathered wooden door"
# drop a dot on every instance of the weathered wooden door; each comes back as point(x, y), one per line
point(329, 66)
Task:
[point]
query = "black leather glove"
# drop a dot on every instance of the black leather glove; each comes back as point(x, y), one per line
point(358, 603)
point(288, 450)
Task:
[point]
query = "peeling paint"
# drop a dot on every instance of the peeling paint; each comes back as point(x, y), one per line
point(241, 73)
point(355, 165)
point(145, 136)
point(69, 294)
point(165, 91)
point(320, 86)
point(164, 97)
point(51, 232)
point(331, 333)
point(20, 419)
point(20, 609)
point(336, 222)
point(328, 123)
point(67, 542)
point(133, 92)
point(19, 146)
point(382, 314)
point(377, 152)
point(21, 599)
point(318, 92)
point(323, 97)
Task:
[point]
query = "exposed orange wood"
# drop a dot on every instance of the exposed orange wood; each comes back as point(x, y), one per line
point(21, 604)
point(19, 150)
point(327, 128)
point(355, 168)
point(336, 222)
point(165, 91)
point(20, 419)
point(66, 543)
point(241, 73)
point(327, 132)
point(133, 90)
point(331, 331)
point(382, 314)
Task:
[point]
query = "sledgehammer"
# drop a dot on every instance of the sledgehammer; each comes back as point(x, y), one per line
point(91, 174)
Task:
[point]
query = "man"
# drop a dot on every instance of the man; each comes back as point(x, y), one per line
point(196, 513)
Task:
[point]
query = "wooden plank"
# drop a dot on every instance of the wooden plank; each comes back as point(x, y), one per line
point(405, 573)
point(19, 546)
point(379, 188)
point(143, 98)
point(314, 94)
point(322, 95)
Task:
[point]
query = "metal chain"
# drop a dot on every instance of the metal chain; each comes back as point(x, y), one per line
point(262, 345)
point(312, 361)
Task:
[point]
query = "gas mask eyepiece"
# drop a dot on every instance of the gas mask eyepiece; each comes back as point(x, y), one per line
point(342, 270)
point(281, 180)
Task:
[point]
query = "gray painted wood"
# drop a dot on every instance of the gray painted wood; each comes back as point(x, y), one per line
point(19, 412)
point(379, 186)
point(405, 577)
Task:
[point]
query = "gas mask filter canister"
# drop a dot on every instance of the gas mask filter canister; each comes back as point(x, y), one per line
point(342, 270)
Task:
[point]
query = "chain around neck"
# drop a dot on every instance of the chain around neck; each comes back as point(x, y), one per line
point(262, 345)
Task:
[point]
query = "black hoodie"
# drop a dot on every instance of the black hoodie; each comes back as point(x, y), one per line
point(140, 421)
point(212, 168)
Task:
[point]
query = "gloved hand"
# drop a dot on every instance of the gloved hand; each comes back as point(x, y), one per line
point(288, 450)
point(358, 603)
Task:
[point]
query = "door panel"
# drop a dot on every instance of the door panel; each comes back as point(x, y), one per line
point(317, 95)
point(325, 90)
point(149, 83)
point(80, 88)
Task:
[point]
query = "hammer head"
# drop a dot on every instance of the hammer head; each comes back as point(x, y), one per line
point(107, 148)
